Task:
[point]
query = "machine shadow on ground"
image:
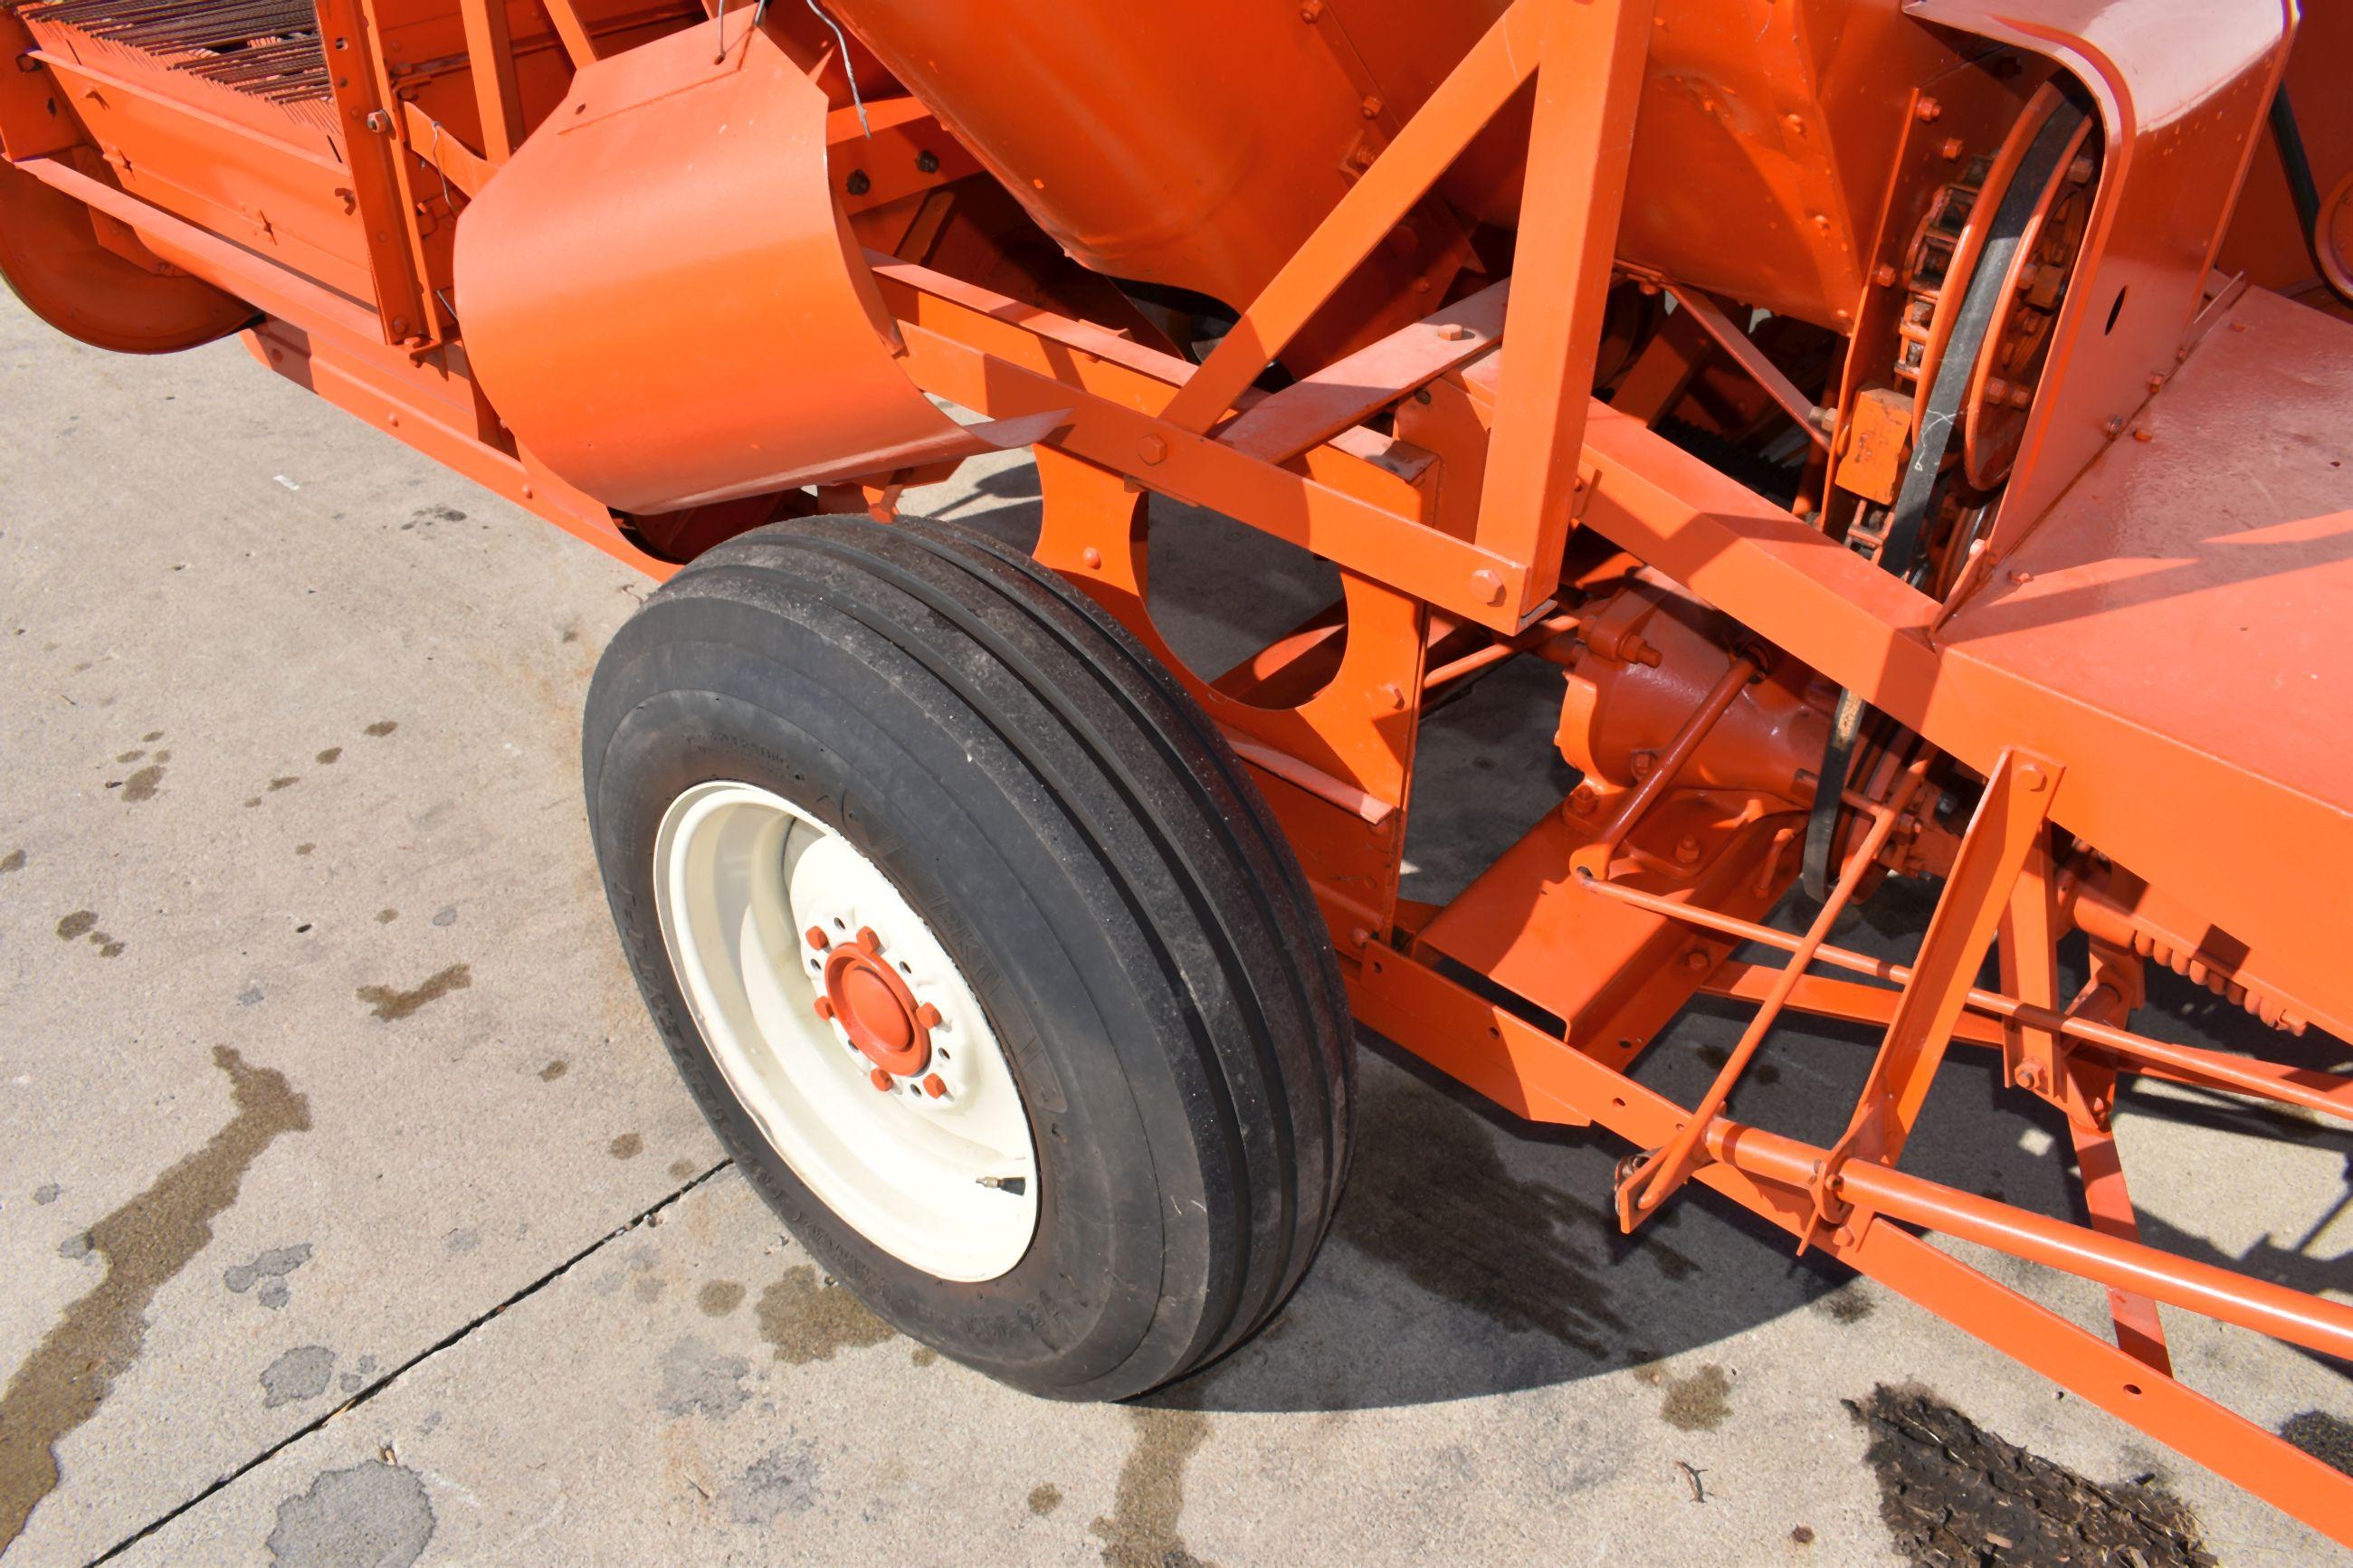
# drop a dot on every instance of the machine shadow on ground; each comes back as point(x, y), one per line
point(1476, 1254)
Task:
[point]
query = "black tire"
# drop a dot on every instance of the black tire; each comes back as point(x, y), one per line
point(1090, 852)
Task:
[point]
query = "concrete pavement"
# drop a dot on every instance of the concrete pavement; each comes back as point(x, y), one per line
point(348, 1210)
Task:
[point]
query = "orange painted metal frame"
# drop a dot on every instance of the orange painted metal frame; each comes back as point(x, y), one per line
point(1337, 764)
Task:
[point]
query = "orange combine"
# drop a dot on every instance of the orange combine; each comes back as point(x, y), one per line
point(1916, 431)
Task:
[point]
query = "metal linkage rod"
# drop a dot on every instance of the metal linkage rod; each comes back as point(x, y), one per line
point(1655, 1181)
point(1594, 858)
point(2324, 1092)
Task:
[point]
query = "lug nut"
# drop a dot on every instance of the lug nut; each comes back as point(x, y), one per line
point(825, 1008)
point(815, 936)
point(867, 939)
point(880, 1080)
point(928, 1016)
point(933, 1087)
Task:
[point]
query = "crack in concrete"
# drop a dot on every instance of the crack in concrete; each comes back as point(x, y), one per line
point(448, 1342)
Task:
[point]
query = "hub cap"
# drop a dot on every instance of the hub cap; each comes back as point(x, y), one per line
point(846, 1031)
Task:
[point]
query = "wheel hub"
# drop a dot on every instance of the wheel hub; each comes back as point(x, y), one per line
point(846, 1031)
point(873, 1006)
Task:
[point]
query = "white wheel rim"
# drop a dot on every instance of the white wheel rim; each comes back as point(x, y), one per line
point(938, 1169)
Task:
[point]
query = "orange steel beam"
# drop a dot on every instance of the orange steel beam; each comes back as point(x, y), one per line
point(1580, 147)
point(1318, 407)
point(489, 47)
point(985, 352)
point(2009, 822)
point(1458, 110)
point(569, 27)
point(363, 99)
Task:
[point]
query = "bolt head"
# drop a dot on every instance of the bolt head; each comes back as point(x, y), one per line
point(928, 1016)
point(1489, 584)
point(1928, 109)
point(815, 936)
point(935, 1086)
point(867, 939)
point(2029, 1076)
point(1152, 448)
point(825, 1009)
point(880, 1080)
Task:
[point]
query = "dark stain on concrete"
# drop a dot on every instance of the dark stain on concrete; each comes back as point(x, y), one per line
point(391, 1005)
point(2329, 1438)
point(304, 848)
point(164, 756)
point(302, 1372)
point(145, 1242)
point(130, 756)
point(268, 1270)
point(141, 785)
point(1803, 1535)
point(552, 1070)
point(382, 727)
point(699, 1380)
point(1431, 1197)
point(372, 1513)
point(76, 925)
point(1044, 1499)
point(1850, 1303)
point(356, 1379)
point(804, 1319)
point(386, 917)
point(782, 1480)
point(12, 861)
point(627, 1146)
point(924, 1356)
point(681, 1169)
point(151, 736)
point(287, 781)
point(327, 758)
point(48, 1193)
point(251, 801)
point(1946, 1486)
point(719, 1297)
point(1699, 1403)
point(1140, 1531)
point(107, 946)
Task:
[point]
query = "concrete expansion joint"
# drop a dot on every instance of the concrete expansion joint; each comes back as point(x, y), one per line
point(644, 1217)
